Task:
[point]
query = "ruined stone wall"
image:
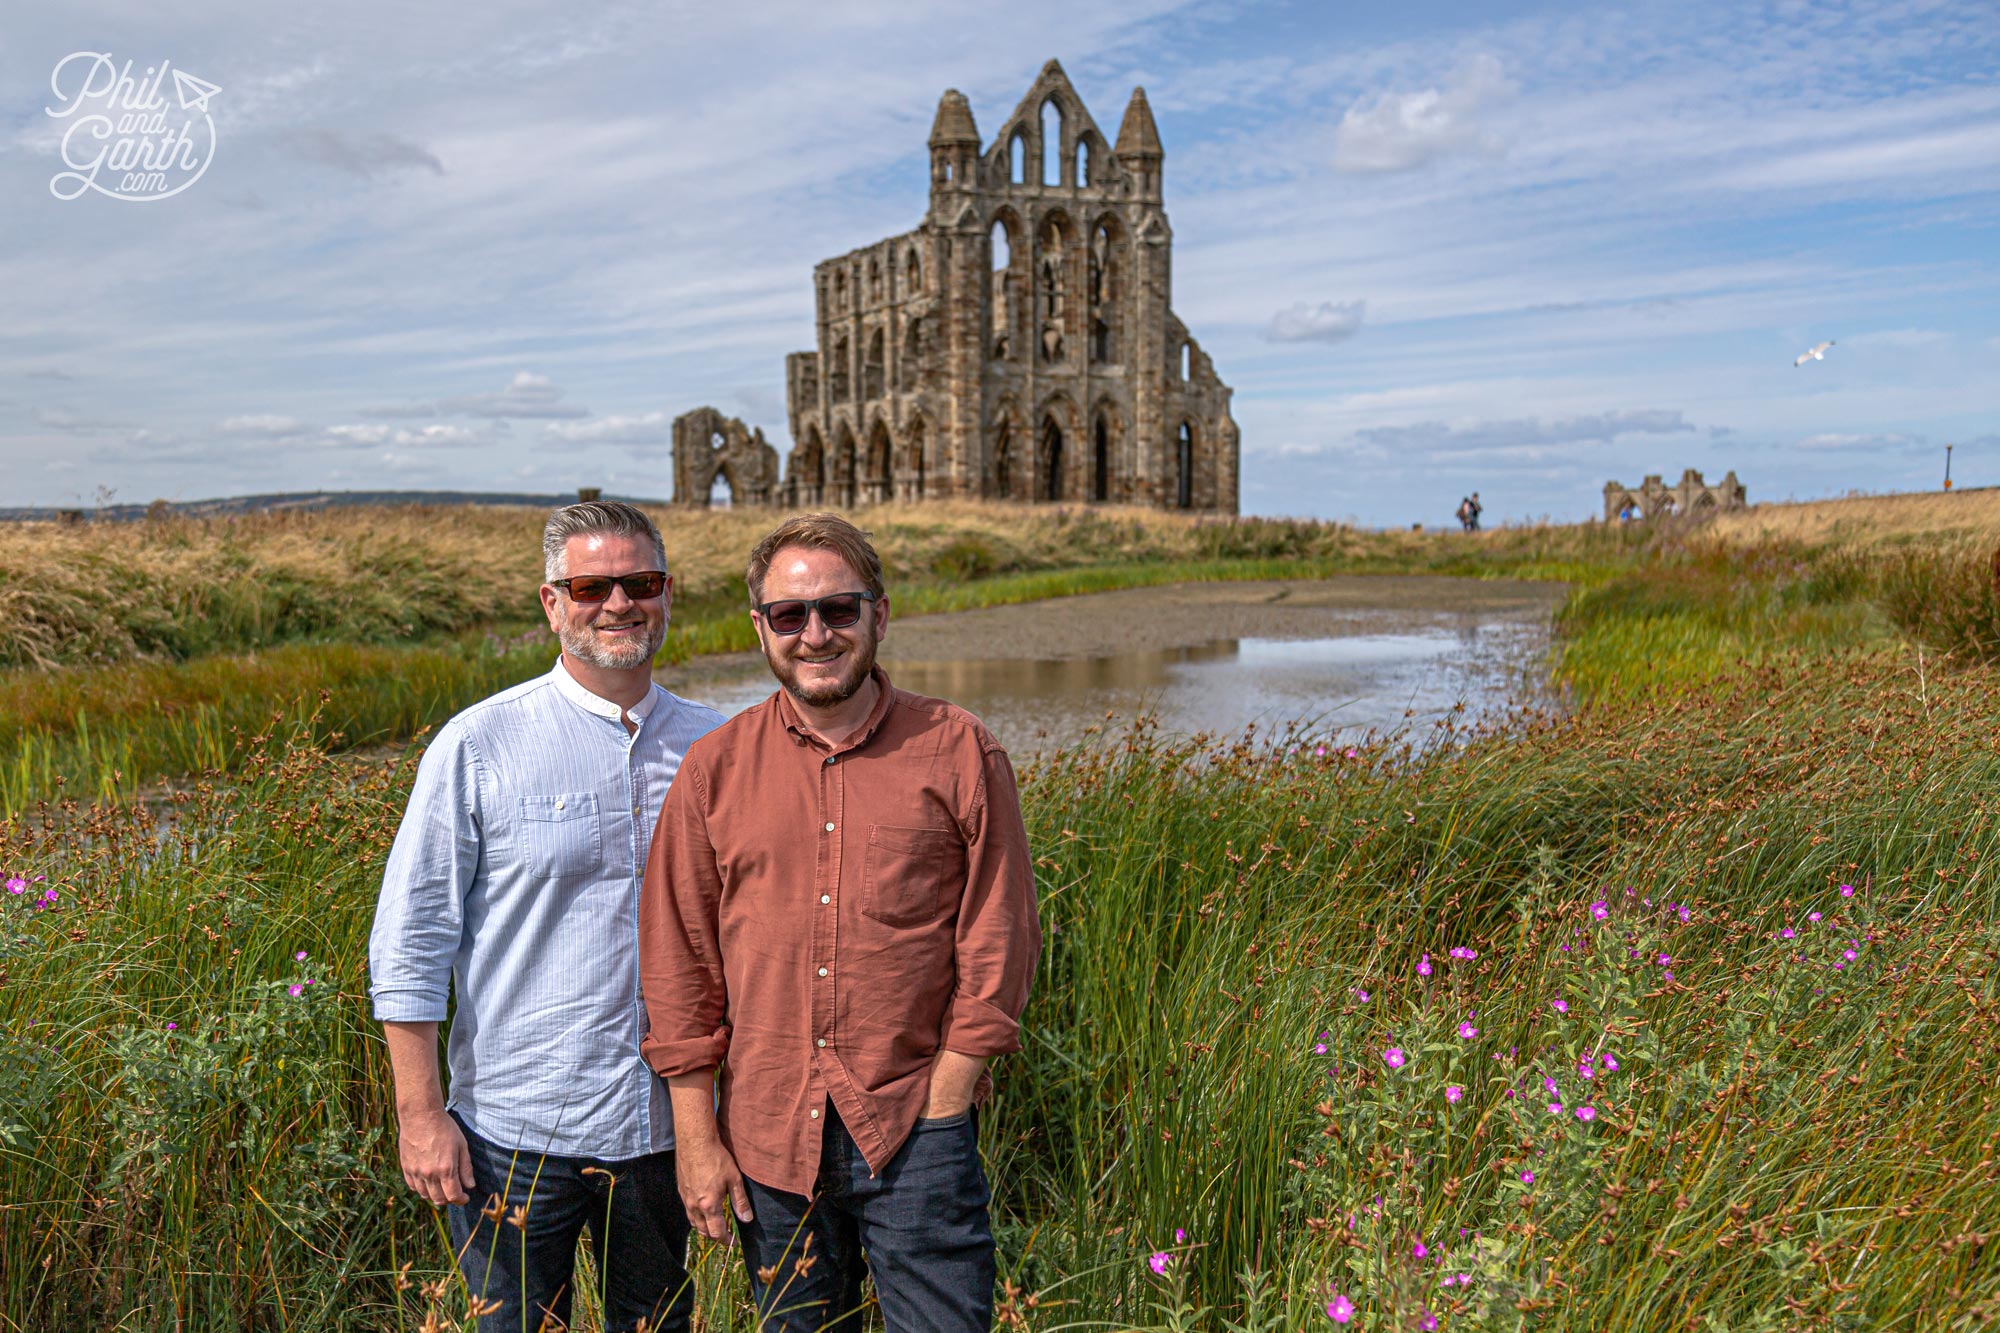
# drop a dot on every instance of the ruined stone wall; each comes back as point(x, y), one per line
point(1020, 342)
point(1653, 498)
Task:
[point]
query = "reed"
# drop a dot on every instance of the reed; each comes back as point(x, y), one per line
point(1207, 1128)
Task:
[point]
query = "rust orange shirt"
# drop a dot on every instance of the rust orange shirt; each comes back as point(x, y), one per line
point(822, 922)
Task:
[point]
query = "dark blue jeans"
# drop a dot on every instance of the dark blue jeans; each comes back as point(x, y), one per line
point(638, 1238)
point(923, 1223)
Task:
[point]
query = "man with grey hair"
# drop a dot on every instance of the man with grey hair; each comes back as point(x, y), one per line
point(514, 882)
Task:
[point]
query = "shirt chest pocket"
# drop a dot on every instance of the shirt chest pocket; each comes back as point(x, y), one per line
point(910, 871)
point(560, 834)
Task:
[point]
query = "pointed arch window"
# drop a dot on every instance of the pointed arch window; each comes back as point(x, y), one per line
point(1007, 295)
point(1052, 291)
point(1082, 163)
point(1105, 289)
point(872, 369)
point(1100, 463)
point(1184, 468)
point(836, 374)
point(1017, 158)
point(1052, 136)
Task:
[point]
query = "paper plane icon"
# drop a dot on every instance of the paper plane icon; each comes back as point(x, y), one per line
point(194, 93)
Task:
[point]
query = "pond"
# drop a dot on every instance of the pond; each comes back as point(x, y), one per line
point(1344, 657)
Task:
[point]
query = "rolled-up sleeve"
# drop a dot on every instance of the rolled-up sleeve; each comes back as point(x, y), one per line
point(999, 934)
point(420, 916)
point(680, 955)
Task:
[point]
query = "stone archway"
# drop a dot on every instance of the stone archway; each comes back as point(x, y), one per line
point(842, 478)
point(709, 446)
point(1049, 461)
point(876, 466)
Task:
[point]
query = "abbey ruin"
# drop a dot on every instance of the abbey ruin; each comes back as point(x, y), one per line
point(1653, 498)
point(1019, 343)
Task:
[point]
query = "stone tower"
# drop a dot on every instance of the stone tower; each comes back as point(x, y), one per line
point(1020, 343)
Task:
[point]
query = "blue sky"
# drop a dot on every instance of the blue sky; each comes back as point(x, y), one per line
point(1519, 248)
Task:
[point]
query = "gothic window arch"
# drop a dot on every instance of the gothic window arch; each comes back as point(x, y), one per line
point(1017, 158)
point(836, 374)
point(874, 278)
point(1052, 296)
point(1184, 468)
point(913, 271)
point(1009, 292)
point(1082, 162)
point(872, 370)
point(1049, 473)
point(910, 375)
point(839, 290)
point(1105, 290)
point(1100, 461)
point(1003, 461)
point(1052, 137)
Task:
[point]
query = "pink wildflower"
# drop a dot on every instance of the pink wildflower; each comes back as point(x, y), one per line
point(1339, 1309)
point(1527, 1177)
point(1428, 1323)
point(1453, 1093)
point(1158, 1262)
point(1812, 916)
point(1847, 890)
point(1394, 1057)
point(1600, 909)
point(1424, 966)
point(1467, 1032)
point(1560, 1006)
point(1586, 1113)
point(15, 884)
point(1180, 1236)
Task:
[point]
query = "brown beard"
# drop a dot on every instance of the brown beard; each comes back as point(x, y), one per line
point(861, 665)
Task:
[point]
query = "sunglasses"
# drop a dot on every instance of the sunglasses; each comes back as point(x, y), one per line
point(836, 611)
point(592, 588)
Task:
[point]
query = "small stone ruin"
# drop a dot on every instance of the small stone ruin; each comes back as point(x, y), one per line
point(1653, 498)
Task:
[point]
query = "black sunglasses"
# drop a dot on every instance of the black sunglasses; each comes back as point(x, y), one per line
point(590, 588)
point(836, 611)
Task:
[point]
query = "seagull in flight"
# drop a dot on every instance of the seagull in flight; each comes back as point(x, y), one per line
point(1814, 354)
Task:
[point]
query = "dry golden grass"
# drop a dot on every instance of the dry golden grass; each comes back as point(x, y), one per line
point(1866, 520)
point(181, 587)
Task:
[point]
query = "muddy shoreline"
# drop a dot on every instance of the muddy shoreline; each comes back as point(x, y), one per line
point(1173, 616)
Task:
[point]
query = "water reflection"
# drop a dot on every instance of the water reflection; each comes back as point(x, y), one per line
point(1345, 685)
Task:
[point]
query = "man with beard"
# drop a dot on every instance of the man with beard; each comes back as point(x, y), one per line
point(514, 881)
point(841, 901)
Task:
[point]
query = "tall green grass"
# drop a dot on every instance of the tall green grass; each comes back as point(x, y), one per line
point(1236, 935)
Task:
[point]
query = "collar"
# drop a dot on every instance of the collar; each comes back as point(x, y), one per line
point(788, 713)
point(573, 690)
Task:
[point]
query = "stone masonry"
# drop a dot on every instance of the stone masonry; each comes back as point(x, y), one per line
point(707, 445)
point(1652, 498)
point(1020, 343)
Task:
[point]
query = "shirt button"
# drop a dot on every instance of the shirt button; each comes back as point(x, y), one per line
point(820, 1042)
point(829, 827)
point(826, 897)
point(822, 971)
point(559, 805)
point(814, 1113)
point(829, 759)
point(636, 810)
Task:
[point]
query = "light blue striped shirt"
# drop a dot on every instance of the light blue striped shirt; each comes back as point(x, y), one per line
point(515, 880)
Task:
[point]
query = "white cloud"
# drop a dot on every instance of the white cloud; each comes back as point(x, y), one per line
point(1837, 442)
point(54, 418)
point(1326, 322)
point(370, 435)
point(1477, 437)
point(528, 394)
point(644, 428)
point(269, 427)
point(1399, 131)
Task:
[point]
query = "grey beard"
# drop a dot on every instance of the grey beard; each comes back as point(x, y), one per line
point(584, 647)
